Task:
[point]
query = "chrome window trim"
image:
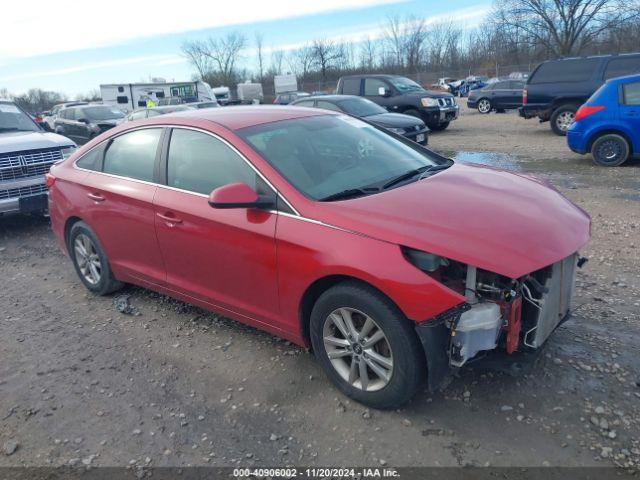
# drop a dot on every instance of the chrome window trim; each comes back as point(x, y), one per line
point(217, 137)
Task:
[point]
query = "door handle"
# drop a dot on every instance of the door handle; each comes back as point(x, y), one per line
point(169, 219)
point(96, 197)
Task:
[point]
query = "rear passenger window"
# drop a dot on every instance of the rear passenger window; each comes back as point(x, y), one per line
point(619, 67)
point(578, 70)
point(133, 155)
point(91, 160)
point(200, 163)
point(631, 93)
point(351, 86)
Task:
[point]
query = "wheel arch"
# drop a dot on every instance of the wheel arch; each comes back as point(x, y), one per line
point(317, 288)
point(68, 225)
point(594, 136)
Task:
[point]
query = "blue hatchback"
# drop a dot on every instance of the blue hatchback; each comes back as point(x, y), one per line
point(608, 125)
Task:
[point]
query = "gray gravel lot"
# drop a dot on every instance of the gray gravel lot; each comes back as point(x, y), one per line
point(83, 384)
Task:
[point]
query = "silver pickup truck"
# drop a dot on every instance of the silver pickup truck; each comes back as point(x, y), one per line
point(26, 154)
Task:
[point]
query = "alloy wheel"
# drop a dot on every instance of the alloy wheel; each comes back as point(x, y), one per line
point(484, 106)
point(358, 349)
point(87, 259)
point(564, 120)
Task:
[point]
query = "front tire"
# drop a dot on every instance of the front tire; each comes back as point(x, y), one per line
point(90, 261)
point(562, 118)
point(484, 106)
point(366, 346)
point(610, 150)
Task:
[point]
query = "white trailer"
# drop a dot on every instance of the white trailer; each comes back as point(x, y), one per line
point(285, 83)
point(250, 92)
point(131, 96)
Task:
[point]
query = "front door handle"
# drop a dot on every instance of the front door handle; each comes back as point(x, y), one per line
point(169, 219)
point(96, 197)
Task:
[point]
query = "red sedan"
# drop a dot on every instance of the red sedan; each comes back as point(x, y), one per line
point(395, 265)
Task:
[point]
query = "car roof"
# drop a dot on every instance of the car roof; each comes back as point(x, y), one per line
point(376, 75)
point(625, 79)
point(235, 118)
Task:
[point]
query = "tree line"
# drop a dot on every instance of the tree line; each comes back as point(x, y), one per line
point(518, 33)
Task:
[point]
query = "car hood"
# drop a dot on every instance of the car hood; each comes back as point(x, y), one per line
point(506, 223)
point(18, 141)
point(428, 93)
point(394, 120)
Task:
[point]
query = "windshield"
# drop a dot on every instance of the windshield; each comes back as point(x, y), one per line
point(12, 119)
point(403, 84)
point(327, 154)
point(102, 113)
point(360, 107)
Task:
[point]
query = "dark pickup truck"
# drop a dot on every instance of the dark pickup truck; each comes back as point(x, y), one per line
point(402, 95)
point(556, 89)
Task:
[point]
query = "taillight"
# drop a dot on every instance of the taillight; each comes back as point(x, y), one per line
point(49, 180)
point(524, 96)
point(586, 110)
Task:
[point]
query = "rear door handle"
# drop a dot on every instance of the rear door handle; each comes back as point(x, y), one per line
point(169, 219)
point(96, 197)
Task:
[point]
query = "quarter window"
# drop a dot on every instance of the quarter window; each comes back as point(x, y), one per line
point(200, 163)
point(631, 93)
point(133, 155)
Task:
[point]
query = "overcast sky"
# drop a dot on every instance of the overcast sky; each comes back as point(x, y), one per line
point(73, 47)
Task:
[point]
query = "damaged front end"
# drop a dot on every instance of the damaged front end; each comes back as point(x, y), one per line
point(500, 314)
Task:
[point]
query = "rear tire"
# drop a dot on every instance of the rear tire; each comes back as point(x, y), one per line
point(562, 118)
point(610, 150)
point(90, 261)
point(393, 367)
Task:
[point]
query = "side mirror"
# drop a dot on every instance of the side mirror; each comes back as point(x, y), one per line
point(383, 92)
point(83, 120)
point(237, 195)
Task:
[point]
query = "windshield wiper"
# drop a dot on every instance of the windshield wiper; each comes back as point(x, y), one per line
point(350, 193)
point(405, 176)
point(9, 129)
point(435, 168)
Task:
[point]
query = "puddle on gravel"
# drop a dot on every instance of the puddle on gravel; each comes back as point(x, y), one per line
point(500, 160)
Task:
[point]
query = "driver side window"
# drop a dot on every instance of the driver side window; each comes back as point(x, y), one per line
point(371, 86)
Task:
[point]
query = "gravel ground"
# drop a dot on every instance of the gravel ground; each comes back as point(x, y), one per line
point(172, 385)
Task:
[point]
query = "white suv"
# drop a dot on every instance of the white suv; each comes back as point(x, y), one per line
point(26, 154)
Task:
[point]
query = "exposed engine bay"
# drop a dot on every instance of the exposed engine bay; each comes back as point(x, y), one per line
point(500, 313)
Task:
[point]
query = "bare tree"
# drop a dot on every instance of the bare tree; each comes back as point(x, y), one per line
point(394, 39)
point(300, 62)
point(414, 40)
point(259, 55)
point(36, 100)
point(216, 58)
point(277, 57)
point(368, 53)
point(325, 54)
point(564, 27)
